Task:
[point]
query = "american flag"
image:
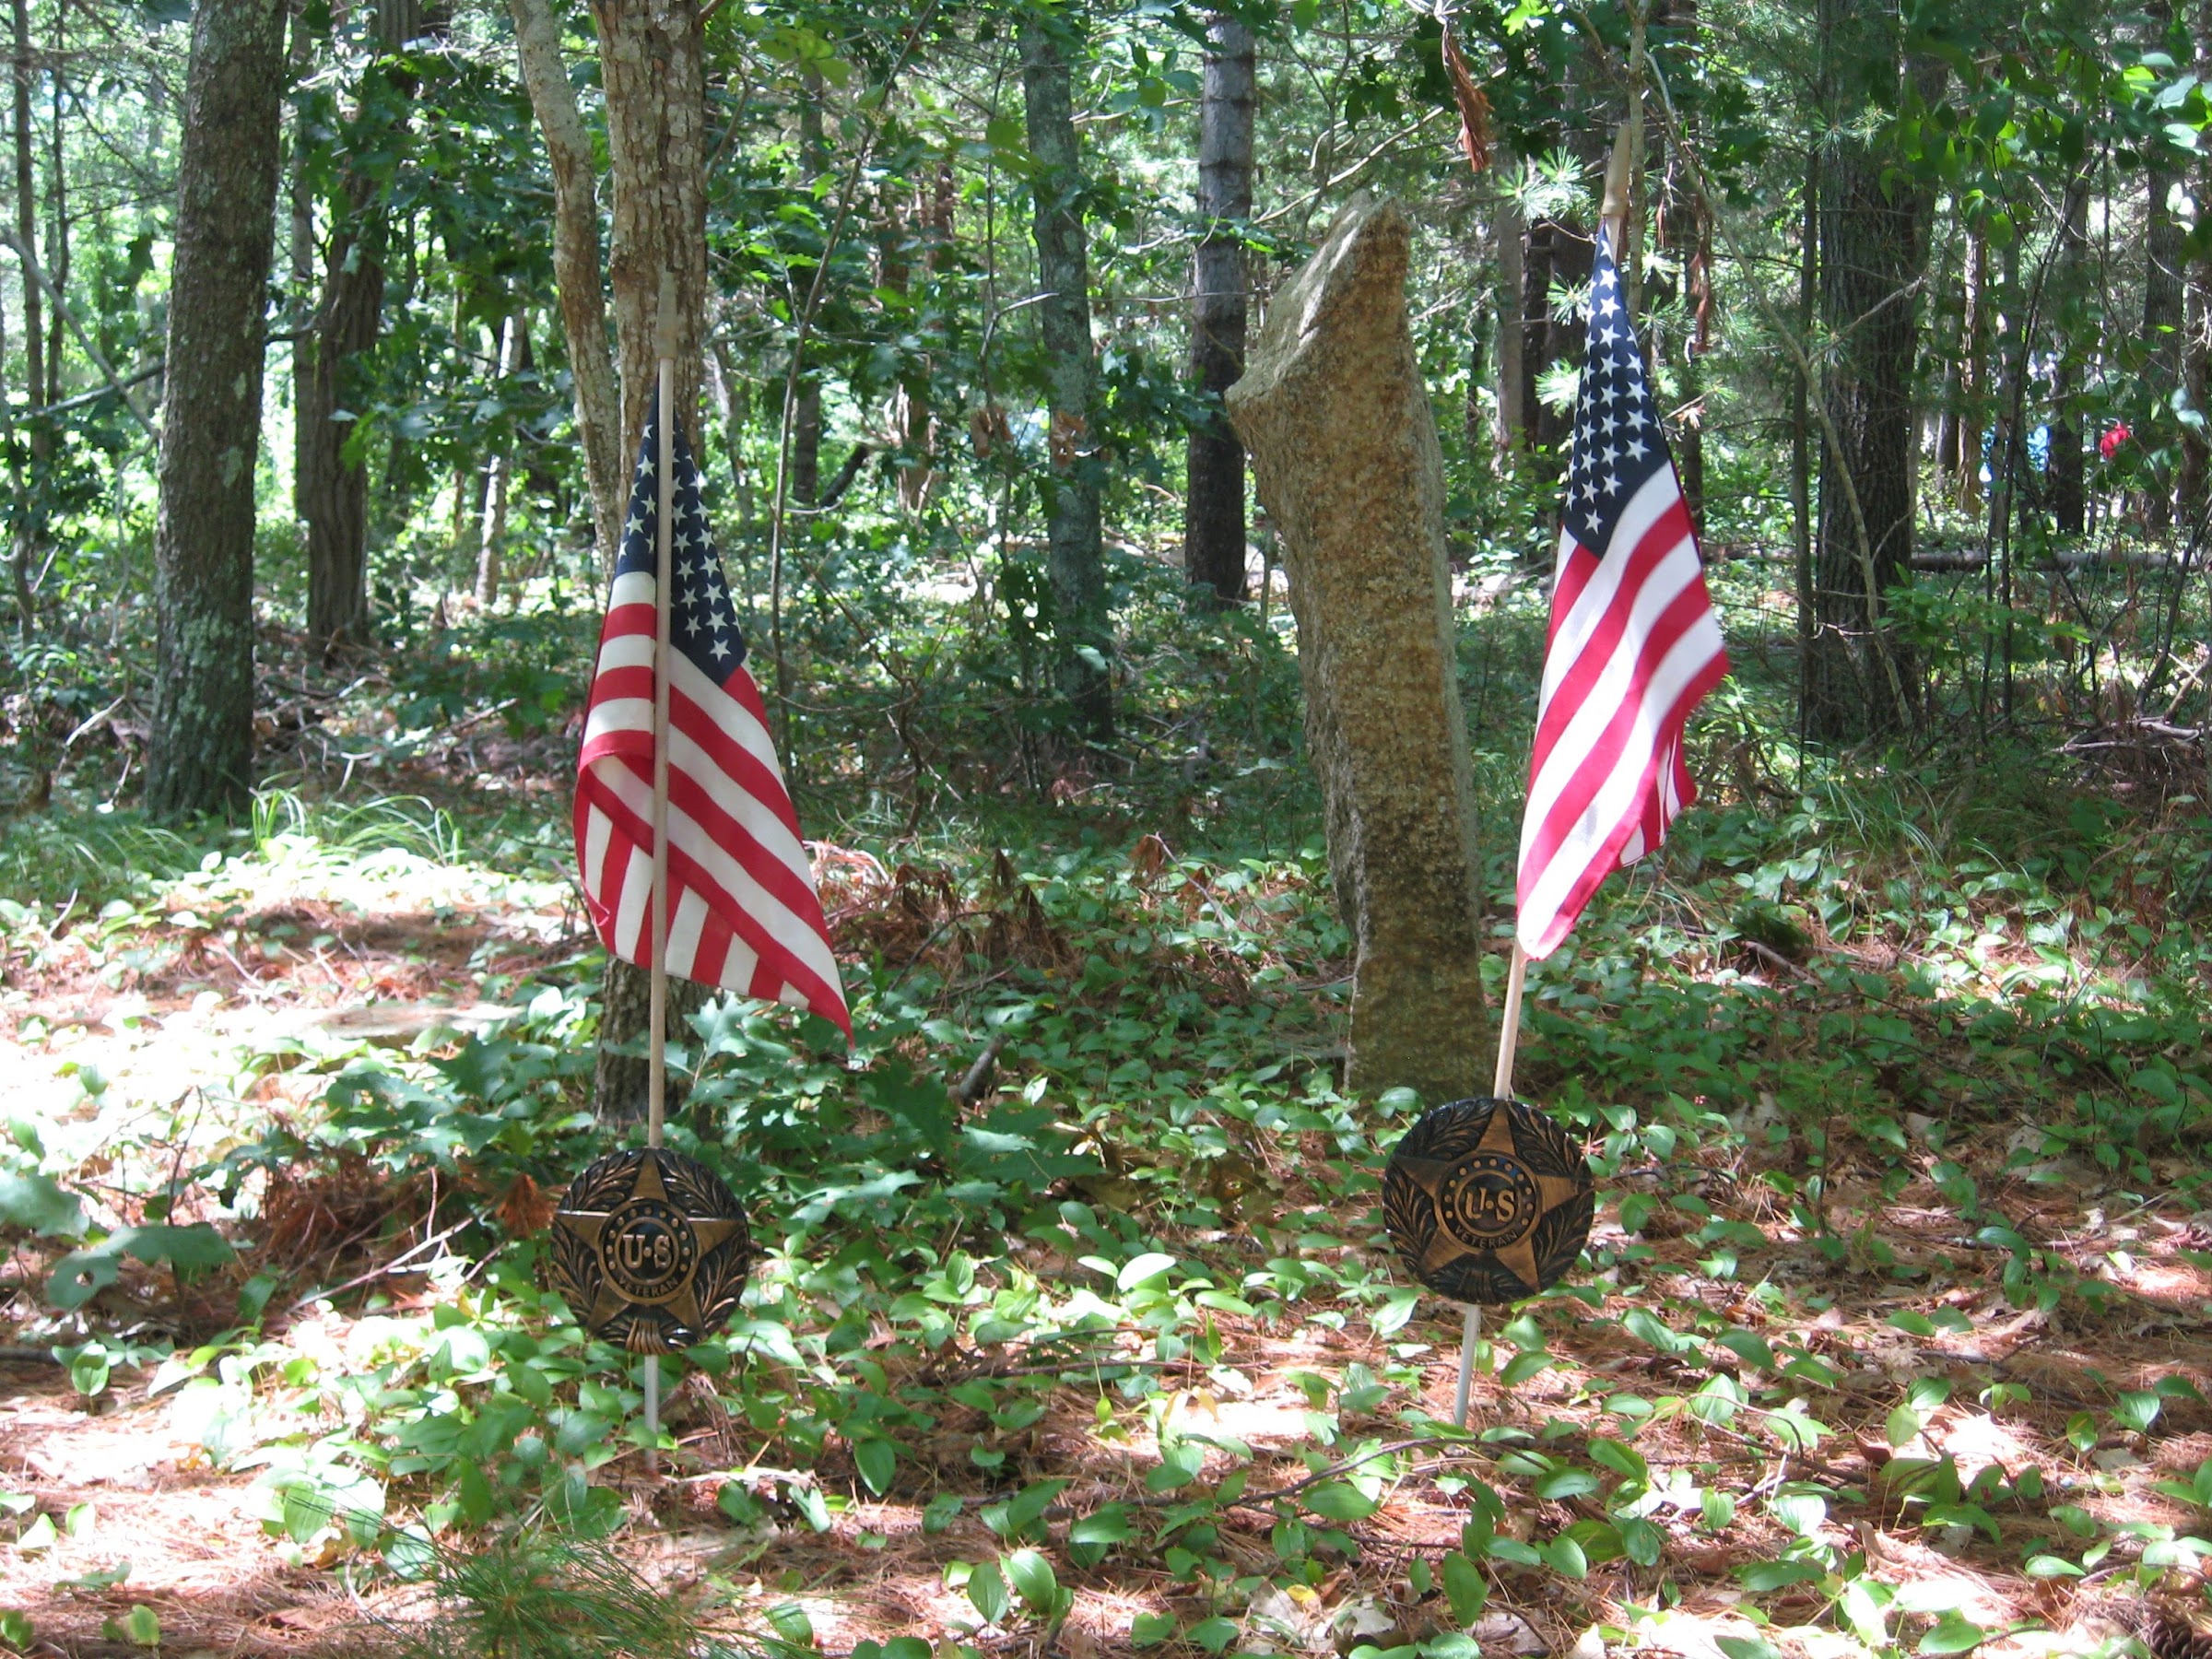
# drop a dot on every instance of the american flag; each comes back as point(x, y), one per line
point(1633, 645)
point(742, 910)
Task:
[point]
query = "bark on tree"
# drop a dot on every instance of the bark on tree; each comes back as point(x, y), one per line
point(1686, 234)
point(331, 488)
point(1213, 520)
point(201, 743)
point(1510, 235)
point(495, 471)
point(27, 208)
point(913, 419)
point(57, 207)
point(1961, 452)
point(806, 403)
point(2162, 262)
point(31, 532)
point(20, 553)
point(1558, 254)
point(1860, 681)
point(652, 68)
point(1076, 561)
point(1344, 453)
point(576, 268)
point(2069, 493)
point(2162, 279)
point(2190, 491)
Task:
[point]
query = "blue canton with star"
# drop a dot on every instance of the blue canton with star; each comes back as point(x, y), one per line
point(701, 619)
point(1618, 448)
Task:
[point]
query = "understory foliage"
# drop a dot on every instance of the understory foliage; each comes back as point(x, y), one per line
point(1893, 1073)
point(1072, 1325)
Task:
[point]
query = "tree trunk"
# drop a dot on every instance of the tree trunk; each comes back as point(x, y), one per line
point(2197, 319)
point(576, 267)
point(1213, 519)
point(806, 403)
point(331, 488)
point(330, 491)
point(729, 392)
point(1558, 255)
point(1075, 554)
point(651, 66)
point(1860, 683)
point(31, 533)
point(1687, 236)
point(1510, 237)
point(1971, 413)
point(201, 743)
point(2069, 492)
point(27, 211)
point(2162, 267)
point(912, 417)
point(57, 211)
point(495, 471)
point(20, 552)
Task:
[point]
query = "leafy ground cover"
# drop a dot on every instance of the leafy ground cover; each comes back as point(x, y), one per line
point(1073, 1325)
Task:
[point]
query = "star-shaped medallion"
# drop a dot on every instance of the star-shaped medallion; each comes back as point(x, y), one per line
point(1487, 1201)
point(652, 1248)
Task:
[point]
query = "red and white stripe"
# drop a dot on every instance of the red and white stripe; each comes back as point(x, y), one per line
point(1633, 646)
point(742, 907)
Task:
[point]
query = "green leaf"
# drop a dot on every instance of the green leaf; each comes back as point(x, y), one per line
point(1213, 1634)
point(1340, 1501)
point(1141, 1269)
point(1522, 1366)
point(789, 1621)
point(1108, 1525)
point(877, 1461)
point(1149, 1629)
point(16, 1631)
point(920, 1105)
point(1465, 1588)
point(1623, 1460)
point(1764, 1576)
point(1953, 1634)
point(2137, 1409)
point(1751, 1349)
point(1179, 1465)
point(2051, 1566)
point(1034, 1581)
point(1654, 1332)
point(140, 1628)
point(36, 1203)
point(987, 1592)
point(1747, 1647)
point(88, 1369)
point(1566, 1483)
point(1643, 1542)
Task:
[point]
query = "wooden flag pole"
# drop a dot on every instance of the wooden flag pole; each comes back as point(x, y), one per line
point(1613, 215)
point(1509, 1024)
point(1502, 1088)
point(656, 1064)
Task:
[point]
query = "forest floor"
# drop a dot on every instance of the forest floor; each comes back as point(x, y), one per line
point(1893, 1334)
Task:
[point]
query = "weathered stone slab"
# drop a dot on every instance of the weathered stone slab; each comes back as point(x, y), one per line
point(1343, 451)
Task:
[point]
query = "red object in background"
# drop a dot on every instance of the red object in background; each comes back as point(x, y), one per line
point(2109, 445)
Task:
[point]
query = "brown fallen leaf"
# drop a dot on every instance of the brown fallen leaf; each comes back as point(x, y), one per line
point(1474, 107)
